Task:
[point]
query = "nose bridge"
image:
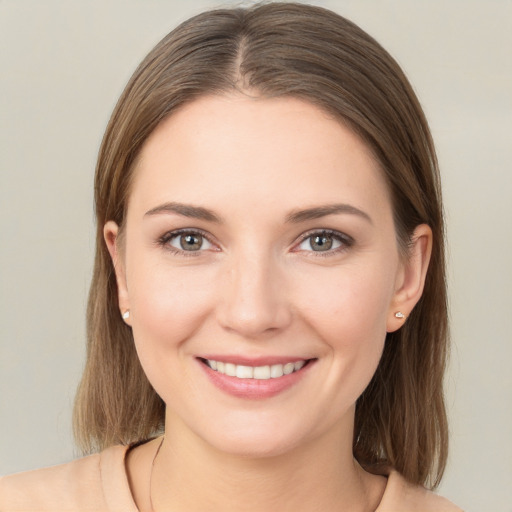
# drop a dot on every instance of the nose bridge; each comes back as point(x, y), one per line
point(254, 296)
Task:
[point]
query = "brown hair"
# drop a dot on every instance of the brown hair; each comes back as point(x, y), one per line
point(281, 49)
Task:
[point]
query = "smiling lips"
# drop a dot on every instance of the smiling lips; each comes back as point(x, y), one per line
point(266, 372)
point(255, 382)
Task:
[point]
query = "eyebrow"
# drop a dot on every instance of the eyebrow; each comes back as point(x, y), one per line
point(186, 210)
point(295, 217)
point(321, 211)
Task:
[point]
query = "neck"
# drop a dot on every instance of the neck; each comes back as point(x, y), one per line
point(190, 475)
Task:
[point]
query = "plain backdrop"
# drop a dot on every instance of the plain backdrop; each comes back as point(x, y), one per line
point(63, 65)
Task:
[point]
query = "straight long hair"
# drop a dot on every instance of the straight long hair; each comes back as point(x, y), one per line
point(281, 50)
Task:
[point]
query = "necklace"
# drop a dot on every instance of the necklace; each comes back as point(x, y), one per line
point(153, 468)
point(151, 474)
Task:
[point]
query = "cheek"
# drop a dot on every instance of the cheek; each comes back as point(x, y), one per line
point(352, 301)
point(167, 305)
point(348, 311)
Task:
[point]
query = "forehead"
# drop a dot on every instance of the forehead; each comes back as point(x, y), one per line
point(281, 150)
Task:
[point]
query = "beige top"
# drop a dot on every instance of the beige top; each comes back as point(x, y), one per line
point(100, 483)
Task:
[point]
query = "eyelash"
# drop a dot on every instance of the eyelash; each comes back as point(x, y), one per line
point(164, 240)
point(345, 240)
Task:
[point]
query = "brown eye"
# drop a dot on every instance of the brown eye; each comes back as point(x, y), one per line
point(189, 242)
point(323, 242)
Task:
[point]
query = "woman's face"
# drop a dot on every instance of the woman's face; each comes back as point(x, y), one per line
point(259, 241)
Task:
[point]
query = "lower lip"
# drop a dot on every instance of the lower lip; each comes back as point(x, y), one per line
point(254, 388)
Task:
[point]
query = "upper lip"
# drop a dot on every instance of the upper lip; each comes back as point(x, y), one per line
point(254, 361)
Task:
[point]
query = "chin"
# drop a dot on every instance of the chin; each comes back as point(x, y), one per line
point(259, 438)
point(265, 441)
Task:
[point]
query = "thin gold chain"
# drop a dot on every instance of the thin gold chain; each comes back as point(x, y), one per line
point(151, 475)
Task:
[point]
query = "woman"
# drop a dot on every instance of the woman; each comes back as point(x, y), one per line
point(267, 318)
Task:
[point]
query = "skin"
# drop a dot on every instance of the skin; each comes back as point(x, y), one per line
point(258, 288)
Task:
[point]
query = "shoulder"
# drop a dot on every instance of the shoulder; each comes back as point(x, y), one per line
point(78, 485)
point(402, 496)
point(50, 488)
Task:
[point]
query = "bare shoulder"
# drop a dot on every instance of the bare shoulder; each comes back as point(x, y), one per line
point(76, 485)
point(402, 496)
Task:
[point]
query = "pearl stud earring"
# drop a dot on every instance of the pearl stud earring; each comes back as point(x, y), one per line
point(126, 314)
point(400, 315)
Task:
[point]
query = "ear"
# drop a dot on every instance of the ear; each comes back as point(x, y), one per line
point(112, 239)
point(411, 277)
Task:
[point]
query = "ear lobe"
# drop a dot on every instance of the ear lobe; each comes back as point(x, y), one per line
point(411, 279)
point(111, 236)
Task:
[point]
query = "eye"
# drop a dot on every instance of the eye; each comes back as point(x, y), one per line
point(189, 241)
point(324, 241)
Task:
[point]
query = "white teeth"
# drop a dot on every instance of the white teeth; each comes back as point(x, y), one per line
point(299, 364)
point(276, 371)
point(255, 372)
point(288, 368)
point(244, 372)
point(230, 369)
point(262, 372)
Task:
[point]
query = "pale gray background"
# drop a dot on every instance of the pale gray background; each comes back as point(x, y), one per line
point(63, 65)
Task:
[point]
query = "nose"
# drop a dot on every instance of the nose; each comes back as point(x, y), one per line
point(254, 299)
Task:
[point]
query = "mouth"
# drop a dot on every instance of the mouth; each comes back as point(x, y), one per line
point(263, 372)
point(236, 375)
